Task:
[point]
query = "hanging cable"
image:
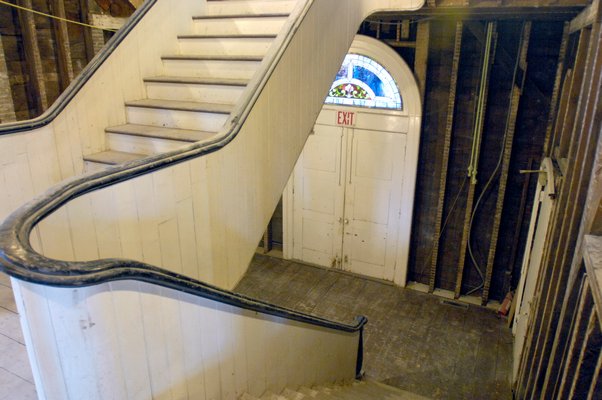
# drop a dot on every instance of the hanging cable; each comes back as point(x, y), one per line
point(55, 17)
point(494, 173)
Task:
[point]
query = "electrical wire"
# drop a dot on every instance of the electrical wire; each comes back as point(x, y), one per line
point(55, 17)
point(491, 178)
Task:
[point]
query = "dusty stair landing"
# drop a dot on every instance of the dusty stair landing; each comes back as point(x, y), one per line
point(354, 390)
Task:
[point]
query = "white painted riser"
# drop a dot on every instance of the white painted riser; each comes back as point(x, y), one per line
point(248, 7)
point(176, 119)
point(142, 145)
point(225, 46)
point(254, 25)
point(90, 166)
point(193, 92)
point(211, 68)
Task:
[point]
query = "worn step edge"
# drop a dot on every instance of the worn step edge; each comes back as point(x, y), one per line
point(217, 57)
point(240, 16)
point(191, 80)
point(112, 157)
point(229, 36)
point(190, 106)
point(157, 132)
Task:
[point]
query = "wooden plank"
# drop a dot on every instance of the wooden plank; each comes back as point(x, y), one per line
point(592, 259)
point(563, 233)
point(106, 21)
point(61, 35)
point(595, 390)
point(507, 155)
point(588, 356)
point(37, 85)
point(7, 105)
point(556, 90)
point(449, 124)
point(577, 335)
point(421, 56)
point(84, 16)
point(473, 182)
point(586, 17)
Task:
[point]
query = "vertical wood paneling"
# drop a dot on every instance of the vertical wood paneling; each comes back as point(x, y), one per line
point(7, 108)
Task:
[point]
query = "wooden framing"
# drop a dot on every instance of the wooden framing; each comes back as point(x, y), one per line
point(421, 56)
point(37, 85)
point(472, 187)
point(449, 123)
point(517, 90)
point(556, 91)
point(549, 328)
point(7, 108)
point(62, 44)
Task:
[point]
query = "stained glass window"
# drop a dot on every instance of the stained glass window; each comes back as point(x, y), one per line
point(363, 82)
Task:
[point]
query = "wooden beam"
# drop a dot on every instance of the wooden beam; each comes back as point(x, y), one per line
point(556, 90)
point(517, 90)
point(7, 105)
point(472, 187)
point(586, 18)
point(84, 15)
point(37, 85)
point(61, 36)
point(402, 44)
point(449, 123)
point(107, 22)
point(421, 56)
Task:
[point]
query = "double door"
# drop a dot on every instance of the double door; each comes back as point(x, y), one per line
point(347, 199)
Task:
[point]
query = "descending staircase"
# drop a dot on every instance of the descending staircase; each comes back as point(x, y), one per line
point(355, 390)
point(201, 84)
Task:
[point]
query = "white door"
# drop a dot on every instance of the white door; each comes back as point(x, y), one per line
point(347, 198)
point(372, 202)
point(531, 266)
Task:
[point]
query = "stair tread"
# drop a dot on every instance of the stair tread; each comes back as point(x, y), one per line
point(158, 132)
point(229, 36)
point(112, 157)
point(217, 57)
point(198, 80)
point(182, 105)
point(239, 15)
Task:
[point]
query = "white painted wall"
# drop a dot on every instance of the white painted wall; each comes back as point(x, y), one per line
point(130, 340)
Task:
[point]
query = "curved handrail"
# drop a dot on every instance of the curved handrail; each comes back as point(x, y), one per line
point(20, 260)
point(69, 93)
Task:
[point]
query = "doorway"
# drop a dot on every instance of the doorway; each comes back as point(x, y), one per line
point(348, 204)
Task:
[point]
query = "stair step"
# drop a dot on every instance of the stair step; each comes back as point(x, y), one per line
point(191, 106)
point(213, 57)
point(214, 68)
point(192, 80)
point(269, 23)
point(229, 36)
point(240, 16)
point(157, 132)
point(249, 7)
point(111, 157)
point(255, 46)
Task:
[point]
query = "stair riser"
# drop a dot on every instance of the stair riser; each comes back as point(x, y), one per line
point(193, 92)
point(211, 69)
point(142, 145)
point(249, 7)
point(90, 166)
point(225, 46)
point(202, 121)
point(258, 25)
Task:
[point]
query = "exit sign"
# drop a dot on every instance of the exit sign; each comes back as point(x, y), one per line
point(345, 118)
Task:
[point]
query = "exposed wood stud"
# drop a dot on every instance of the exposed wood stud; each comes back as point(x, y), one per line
point(421, 56)
point(405, 29)
point(472, 185)
point(395, 43)
point(508, 143)
point(449, 123)
point(62, 44)
point(7, 106)
point(84, 15)
point(590, 351)
point(37, 84)
point(556, 91)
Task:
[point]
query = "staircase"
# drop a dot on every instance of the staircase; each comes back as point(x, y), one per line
point(354, 390)
point(201, 84)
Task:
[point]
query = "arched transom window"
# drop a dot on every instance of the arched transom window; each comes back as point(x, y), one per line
point(362, 82)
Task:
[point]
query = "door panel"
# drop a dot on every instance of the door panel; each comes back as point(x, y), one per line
point(372, 202)
point(318, 197)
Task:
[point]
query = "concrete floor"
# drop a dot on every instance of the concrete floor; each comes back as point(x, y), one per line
point(412, 340)
point(16, 380)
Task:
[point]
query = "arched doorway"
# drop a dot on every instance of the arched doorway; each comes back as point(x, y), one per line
point(348, 204)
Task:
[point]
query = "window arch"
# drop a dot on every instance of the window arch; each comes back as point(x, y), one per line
point(363, 82)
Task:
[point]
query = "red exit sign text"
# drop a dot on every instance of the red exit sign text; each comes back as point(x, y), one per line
point(345, 118)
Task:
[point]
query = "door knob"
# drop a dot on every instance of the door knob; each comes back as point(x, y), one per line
point(346, 221)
